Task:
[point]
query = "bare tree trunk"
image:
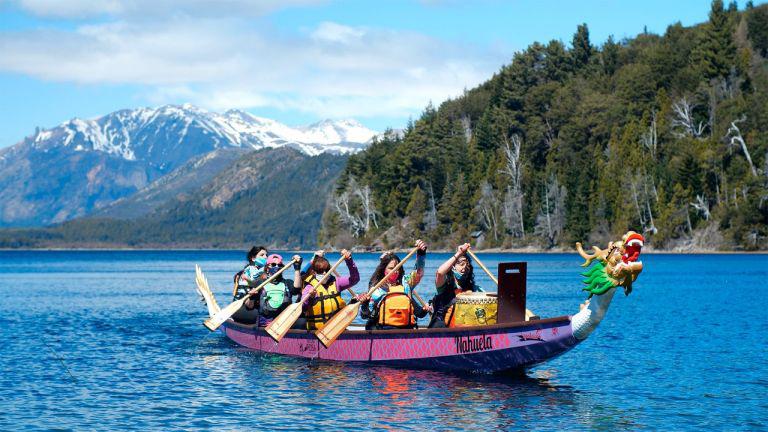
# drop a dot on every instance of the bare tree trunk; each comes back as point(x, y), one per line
point(647, 178)
point(637, 203)
point(430, 219)
point(549, 219)
point(369, 211)
point(737, 140)
point(514, 197)
point(650, 138)
point(701, 206)
point(466, 124)
point(349, 212)
point(683, 110)
point(712, 107)
point(487, 207)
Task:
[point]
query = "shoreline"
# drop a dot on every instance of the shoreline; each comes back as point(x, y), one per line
point(309, 251)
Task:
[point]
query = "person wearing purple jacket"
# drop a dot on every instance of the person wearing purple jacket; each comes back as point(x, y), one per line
point(323, 301)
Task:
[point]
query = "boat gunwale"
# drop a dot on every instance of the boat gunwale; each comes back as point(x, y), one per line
point(253, 328)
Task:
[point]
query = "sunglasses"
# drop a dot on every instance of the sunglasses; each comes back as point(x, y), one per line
point(273, 265)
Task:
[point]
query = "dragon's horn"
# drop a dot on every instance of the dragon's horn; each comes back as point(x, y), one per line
point(585, 255)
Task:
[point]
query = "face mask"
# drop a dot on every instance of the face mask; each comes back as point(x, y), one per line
point(319, 276)
point(273, 270)
point(260, 261)
point(393, 277)
point(457, 275)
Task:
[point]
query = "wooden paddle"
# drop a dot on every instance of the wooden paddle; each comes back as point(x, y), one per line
point(421, 300)
point(339, 322)
point(217, 320)
point(280, 325)
point(528, 313)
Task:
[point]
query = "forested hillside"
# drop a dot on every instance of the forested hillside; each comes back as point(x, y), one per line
point(662, 134)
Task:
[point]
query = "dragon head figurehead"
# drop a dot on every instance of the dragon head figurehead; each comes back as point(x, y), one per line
point(616, 265)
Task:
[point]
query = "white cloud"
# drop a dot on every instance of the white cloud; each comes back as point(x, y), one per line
point(332, 32)
point(144, 9)
point(332, 70)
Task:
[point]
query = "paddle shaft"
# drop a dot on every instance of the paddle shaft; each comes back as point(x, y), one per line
point(328, 274)
point(271, 278)
point(217, 320)
point(274, 276)
point(528, 312)
point(480, 263)
point(397, 267)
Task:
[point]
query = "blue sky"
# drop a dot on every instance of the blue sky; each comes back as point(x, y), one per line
point(296, 61)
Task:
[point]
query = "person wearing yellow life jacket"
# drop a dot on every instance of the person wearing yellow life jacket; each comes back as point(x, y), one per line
point(454, 276)
point(393, 304)
point(325, 300)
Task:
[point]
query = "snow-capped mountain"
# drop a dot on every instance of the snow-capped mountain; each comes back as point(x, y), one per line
point(67, 171)
point(149, 133)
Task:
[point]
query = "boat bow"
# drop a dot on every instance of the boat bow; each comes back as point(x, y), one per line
point(587, 320)
point(616, 266)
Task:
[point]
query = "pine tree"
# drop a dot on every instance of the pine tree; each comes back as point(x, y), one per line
point(717, 51)
point(582, 49)
point(417, 208)
point(690, 174)
point(610, 56)
point(757, 29)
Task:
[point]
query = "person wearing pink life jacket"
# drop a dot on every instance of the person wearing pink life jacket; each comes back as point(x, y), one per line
point(393, 303)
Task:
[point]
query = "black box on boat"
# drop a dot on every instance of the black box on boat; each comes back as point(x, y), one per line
point(512, 292)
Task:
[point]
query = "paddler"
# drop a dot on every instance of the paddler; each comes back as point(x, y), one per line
point(252, 273)
point(393, 303)
point(247, 279)
point(325, 300)
point(454, 276)
point(278, 294)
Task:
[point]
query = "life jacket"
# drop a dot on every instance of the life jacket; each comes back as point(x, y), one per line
point(236, 280)
point(275, 297)
point(241, 285)
point(327, 301)
point(395, 309)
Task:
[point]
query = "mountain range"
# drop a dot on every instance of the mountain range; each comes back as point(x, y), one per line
point(128, 163)
point(274, 196)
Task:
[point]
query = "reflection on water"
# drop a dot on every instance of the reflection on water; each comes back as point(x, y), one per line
point(364, 396)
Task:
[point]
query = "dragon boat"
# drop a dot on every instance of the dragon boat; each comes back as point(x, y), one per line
point(516, 342)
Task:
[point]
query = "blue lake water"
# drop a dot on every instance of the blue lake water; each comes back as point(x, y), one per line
point(113, 340)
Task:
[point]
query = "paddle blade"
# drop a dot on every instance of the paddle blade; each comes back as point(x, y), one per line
point(205, 292)
point(337, 324)
point(280, 325)
point(217, 320)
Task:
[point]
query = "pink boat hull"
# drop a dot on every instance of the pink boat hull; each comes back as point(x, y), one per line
point(484, 349)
